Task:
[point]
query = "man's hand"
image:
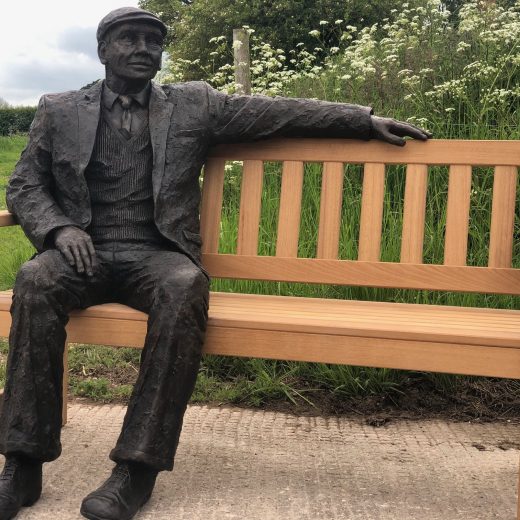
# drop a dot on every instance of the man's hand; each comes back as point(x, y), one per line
point(393, 131)
point(76, 246)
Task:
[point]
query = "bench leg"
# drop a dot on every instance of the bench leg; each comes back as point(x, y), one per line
point(65, 384)
point(518, 499)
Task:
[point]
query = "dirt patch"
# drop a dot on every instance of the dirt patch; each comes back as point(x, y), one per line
point(472, 399)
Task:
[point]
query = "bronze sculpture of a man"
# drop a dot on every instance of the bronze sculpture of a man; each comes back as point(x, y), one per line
point(107, 191)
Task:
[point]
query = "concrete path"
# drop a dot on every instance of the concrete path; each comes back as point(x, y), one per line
point(254, 465)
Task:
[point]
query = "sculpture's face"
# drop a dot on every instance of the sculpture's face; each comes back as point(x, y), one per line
point(132, 51)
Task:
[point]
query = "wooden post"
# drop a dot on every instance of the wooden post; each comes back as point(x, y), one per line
point(65, 388)
point(242, 61)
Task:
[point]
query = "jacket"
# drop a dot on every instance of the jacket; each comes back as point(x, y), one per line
point(48, 190)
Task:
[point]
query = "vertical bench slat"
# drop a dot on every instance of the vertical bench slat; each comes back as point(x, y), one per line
point(414, 214)
point(211, 207)
point(457, 218)
point(503, 216)
point(330, 210)
point(290, 209)
point(372, 212)
point(250, 206)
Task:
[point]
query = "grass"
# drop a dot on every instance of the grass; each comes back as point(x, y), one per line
point(107, 374)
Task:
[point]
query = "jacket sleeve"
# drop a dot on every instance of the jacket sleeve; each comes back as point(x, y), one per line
point(235, 118)
point(29, 189)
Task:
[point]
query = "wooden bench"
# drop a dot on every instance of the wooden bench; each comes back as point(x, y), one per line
point(460, 340)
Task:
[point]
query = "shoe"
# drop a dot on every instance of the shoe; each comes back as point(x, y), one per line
point(122, 494)
point(20, 485)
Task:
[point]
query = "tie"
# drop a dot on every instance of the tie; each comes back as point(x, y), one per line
point(126, 120)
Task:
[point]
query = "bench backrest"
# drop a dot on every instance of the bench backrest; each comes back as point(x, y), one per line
point(368, 270)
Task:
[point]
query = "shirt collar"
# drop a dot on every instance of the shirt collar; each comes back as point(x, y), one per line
point(109, 97)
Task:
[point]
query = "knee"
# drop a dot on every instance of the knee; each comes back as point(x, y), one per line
point(30, 278)
point(35, 276)
point(186, 284)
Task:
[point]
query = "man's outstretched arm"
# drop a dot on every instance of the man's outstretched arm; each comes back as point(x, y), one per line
point(248, 118)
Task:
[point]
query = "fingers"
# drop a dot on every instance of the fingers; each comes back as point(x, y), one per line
point(67, 254)
point(394, 139)
point(78, 259)
point(407, 130)
point(92, 253)
point(85, 257)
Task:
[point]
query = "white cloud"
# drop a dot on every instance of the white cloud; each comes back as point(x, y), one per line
point(50, 46)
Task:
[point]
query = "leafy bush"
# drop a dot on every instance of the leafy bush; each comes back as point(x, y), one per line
point(15, 120)
point(458, 78)
point(283, 23)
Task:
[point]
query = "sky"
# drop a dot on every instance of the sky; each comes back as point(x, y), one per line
point(50, 46)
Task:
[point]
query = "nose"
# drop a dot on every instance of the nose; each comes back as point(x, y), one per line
point(140, 45)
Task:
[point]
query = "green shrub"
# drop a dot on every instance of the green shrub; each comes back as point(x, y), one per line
point(16, 120)
point(458, 78)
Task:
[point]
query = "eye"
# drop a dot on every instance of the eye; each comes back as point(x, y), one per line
point(127, 38)
point(155, 43)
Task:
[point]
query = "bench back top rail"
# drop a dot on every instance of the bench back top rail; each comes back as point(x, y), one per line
point(368, 270)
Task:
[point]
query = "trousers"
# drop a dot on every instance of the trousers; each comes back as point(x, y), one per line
point(165, 284)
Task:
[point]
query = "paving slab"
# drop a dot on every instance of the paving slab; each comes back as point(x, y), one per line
point(235, 463)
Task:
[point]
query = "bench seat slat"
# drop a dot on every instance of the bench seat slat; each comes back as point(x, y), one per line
point(410, 322)
point(362, 351)
point(6, 219)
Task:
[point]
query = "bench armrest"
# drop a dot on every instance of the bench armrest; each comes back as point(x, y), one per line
point(7, 219)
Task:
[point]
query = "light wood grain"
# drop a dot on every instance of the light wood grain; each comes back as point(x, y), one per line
point(370, 274)
point(250, 207)
point(434, 151)
point(330, 210)
point(6, 219)
point(372, 212)
point(211, 207)
point(491, 327)
point(321, 325)
point(502, 216)
point(457, 217)
point(439, 323)
point(414, 214)
point(290, 209)
point(360, 351)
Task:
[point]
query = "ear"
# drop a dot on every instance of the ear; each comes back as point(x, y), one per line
point(102, 48)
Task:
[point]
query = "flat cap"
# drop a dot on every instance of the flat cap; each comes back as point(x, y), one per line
point(128, 14)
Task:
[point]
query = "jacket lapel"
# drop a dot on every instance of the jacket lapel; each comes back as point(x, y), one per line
point(88, 118)
point(160, 111)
